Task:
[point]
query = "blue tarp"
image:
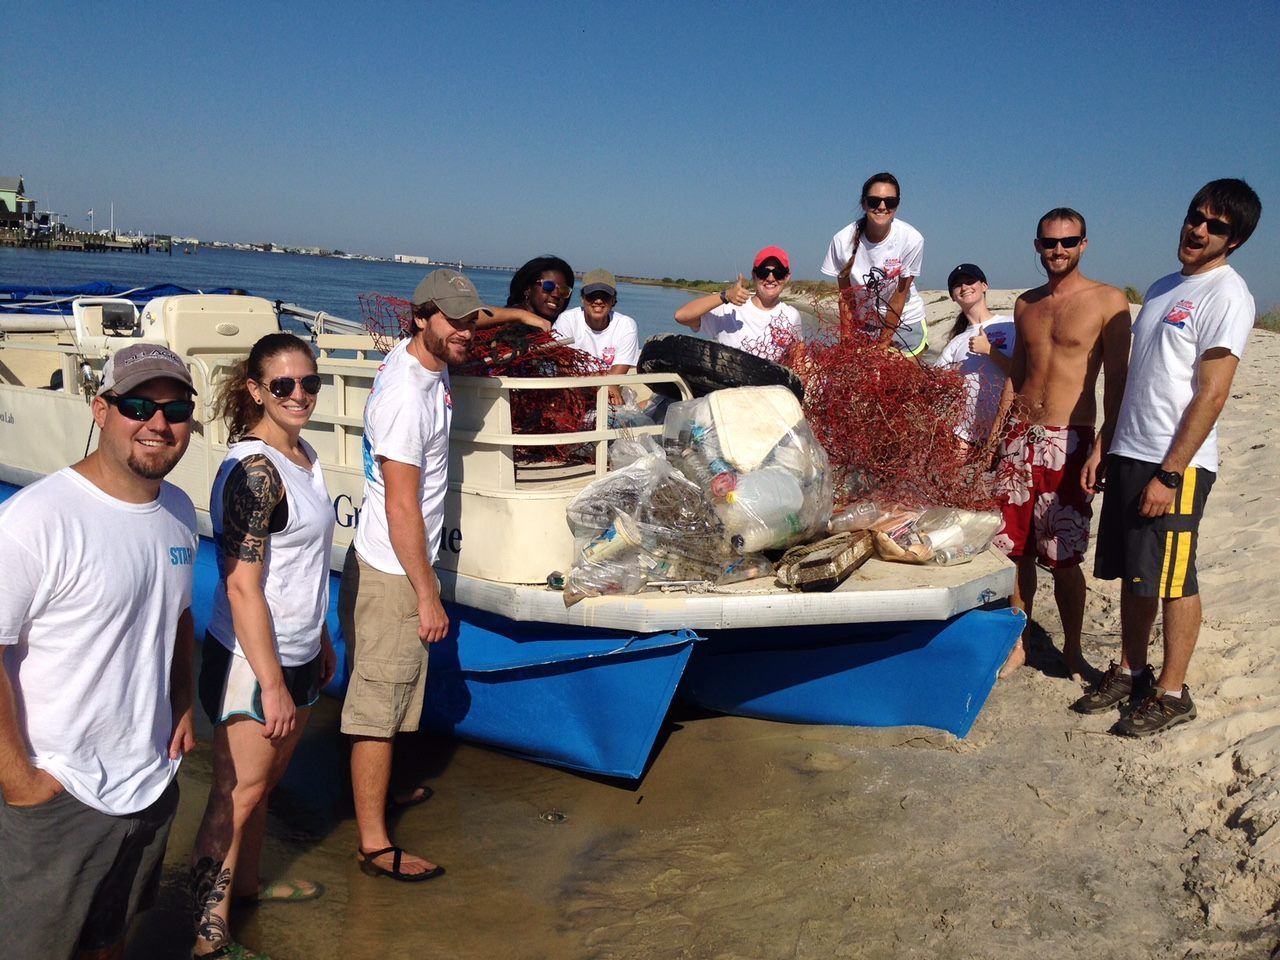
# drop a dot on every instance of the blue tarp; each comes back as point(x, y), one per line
point(18, 299)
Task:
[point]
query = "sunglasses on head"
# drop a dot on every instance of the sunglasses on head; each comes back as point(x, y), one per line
point(598, 297)
point(1219, 228)
point(282, 387)
point(143, 409)
point(550, 286)
point(1050, 243)
point(873, 202)
point(778, 272)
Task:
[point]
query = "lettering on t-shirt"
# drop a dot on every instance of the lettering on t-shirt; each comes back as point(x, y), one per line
point(181, 556)
point(1180, 314)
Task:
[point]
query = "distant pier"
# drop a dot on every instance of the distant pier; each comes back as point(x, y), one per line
point(82, 241)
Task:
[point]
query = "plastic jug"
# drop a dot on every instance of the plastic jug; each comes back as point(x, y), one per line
point(763, 510)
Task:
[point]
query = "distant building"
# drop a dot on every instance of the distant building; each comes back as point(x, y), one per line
point(408, 258)
point(15, 207)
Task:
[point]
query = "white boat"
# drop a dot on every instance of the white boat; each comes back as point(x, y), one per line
point(586, 686)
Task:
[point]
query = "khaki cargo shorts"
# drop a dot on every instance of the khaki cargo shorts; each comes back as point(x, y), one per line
point(387, 662)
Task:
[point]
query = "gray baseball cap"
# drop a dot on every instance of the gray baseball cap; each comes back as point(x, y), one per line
point(451, 292)
point(598, 281)
point(139, 363)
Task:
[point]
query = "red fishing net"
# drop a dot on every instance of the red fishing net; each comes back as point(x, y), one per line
point(886, 422)
point(511, 350)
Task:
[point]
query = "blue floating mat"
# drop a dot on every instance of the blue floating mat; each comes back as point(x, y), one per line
point(926, 673)
point(591, 700)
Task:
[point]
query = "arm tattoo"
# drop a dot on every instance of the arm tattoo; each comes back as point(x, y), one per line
point(209, 882)
point(248, 499)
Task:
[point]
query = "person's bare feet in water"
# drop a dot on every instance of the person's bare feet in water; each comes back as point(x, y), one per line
point(1017, 657)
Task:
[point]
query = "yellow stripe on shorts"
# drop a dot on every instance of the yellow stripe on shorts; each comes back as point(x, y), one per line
point(1181, 560)
point(1187, 496)
point(1164, 563)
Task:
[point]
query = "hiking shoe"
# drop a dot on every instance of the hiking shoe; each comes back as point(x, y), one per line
point(1114, 688)
point(1157, 712)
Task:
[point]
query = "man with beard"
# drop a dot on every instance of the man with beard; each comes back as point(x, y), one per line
point(389, 603)
point(96, 690)
point(1067, 331)
point(1187, 343)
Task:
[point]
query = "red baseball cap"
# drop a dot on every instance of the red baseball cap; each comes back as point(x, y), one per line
point(776, 253)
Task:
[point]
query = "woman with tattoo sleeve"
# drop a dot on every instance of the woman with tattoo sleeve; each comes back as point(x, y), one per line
point(267, 653)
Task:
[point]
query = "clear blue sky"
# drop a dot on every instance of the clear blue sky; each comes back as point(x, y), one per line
point(654, 139)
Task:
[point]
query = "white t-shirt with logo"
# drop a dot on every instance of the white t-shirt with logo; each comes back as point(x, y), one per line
point(617, 343)
point(90, 598)
point(295, 567)
point(1181, 318)
point(901, 253)
point(406, 419)
point(983, 378)
point(749, 326)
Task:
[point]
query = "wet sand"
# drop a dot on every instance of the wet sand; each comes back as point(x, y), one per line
point(750, 839)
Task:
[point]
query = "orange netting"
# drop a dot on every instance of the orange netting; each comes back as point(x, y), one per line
point(511, 350)
point(886, 422)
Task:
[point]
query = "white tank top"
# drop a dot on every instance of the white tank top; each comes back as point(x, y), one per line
point(295, 575)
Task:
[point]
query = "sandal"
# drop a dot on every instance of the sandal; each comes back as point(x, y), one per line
point(281, 891)
point(372, 869)
point(418, 794)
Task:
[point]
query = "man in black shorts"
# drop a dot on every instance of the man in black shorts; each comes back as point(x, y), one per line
point(1187, 343)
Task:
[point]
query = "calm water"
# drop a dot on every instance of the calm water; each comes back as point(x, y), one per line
point(319, 283)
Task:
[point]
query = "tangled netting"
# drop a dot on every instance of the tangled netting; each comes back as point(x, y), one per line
point(886, 422)
point(511, 350)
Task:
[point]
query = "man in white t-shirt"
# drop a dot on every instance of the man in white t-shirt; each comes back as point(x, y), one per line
point(389, 604)
point(1187, 342)
point(758, 322)
point(96, 690)
point(596, 328)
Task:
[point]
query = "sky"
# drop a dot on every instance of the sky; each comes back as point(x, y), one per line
point(653, 139)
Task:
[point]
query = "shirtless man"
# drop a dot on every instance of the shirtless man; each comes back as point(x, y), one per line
point(1067, 330)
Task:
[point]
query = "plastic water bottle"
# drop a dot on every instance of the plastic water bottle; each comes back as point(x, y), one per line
point(856, 516)
point(763, 510)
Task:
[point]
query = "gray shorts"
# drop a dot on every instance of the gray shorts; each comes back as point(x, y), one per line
point(388, 663)
point(71, 877)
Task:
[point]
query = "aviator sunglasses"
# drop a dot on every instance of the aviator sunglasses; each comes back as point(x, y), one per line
point(1050, 243)
point(550, 286)
point(873, 202)
point(767, 269)
point(1219, 228)
point(143, 409)
point(282, 387)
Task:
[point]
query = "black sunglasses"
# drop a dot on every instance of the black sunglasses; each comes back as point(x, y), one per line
point(1068, 243)
point(550, 286)
point(143, 409)
point(765, 269)
point(1219, 228)
point(282, 387)
point(873, 202)
point(598, 297)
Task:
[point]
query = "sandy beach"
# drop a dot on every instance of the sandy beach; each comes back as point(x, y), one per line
point(751, 839)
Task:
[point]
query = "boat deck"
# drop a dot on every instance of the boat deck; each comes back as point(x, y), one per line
point(876, 592)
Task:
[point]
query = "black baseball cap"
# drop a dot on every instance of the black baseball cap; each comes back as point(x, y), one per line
point(971, 270)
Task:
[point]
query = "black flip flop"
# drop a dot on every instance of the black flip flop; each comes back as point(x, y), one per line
point(372, 869)
point(415, 798)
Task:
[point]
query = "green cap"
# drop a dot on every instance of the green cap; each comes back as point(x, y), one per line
point(600, 281)
point(451, 292)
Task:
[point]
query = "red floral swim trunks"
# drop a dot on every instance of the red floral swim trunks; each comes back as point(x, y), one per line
point(1046, 510)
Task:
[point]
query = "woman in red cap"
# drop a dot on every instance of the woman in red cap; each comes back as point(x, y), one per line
point(758, 322)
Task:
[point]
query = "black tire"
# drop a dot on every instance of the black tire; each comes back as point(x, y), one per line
point(707, 366)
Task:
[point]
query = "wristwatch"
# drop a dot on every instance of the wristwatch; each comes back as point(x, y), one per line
point(1170, 478)
point(724, 297)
